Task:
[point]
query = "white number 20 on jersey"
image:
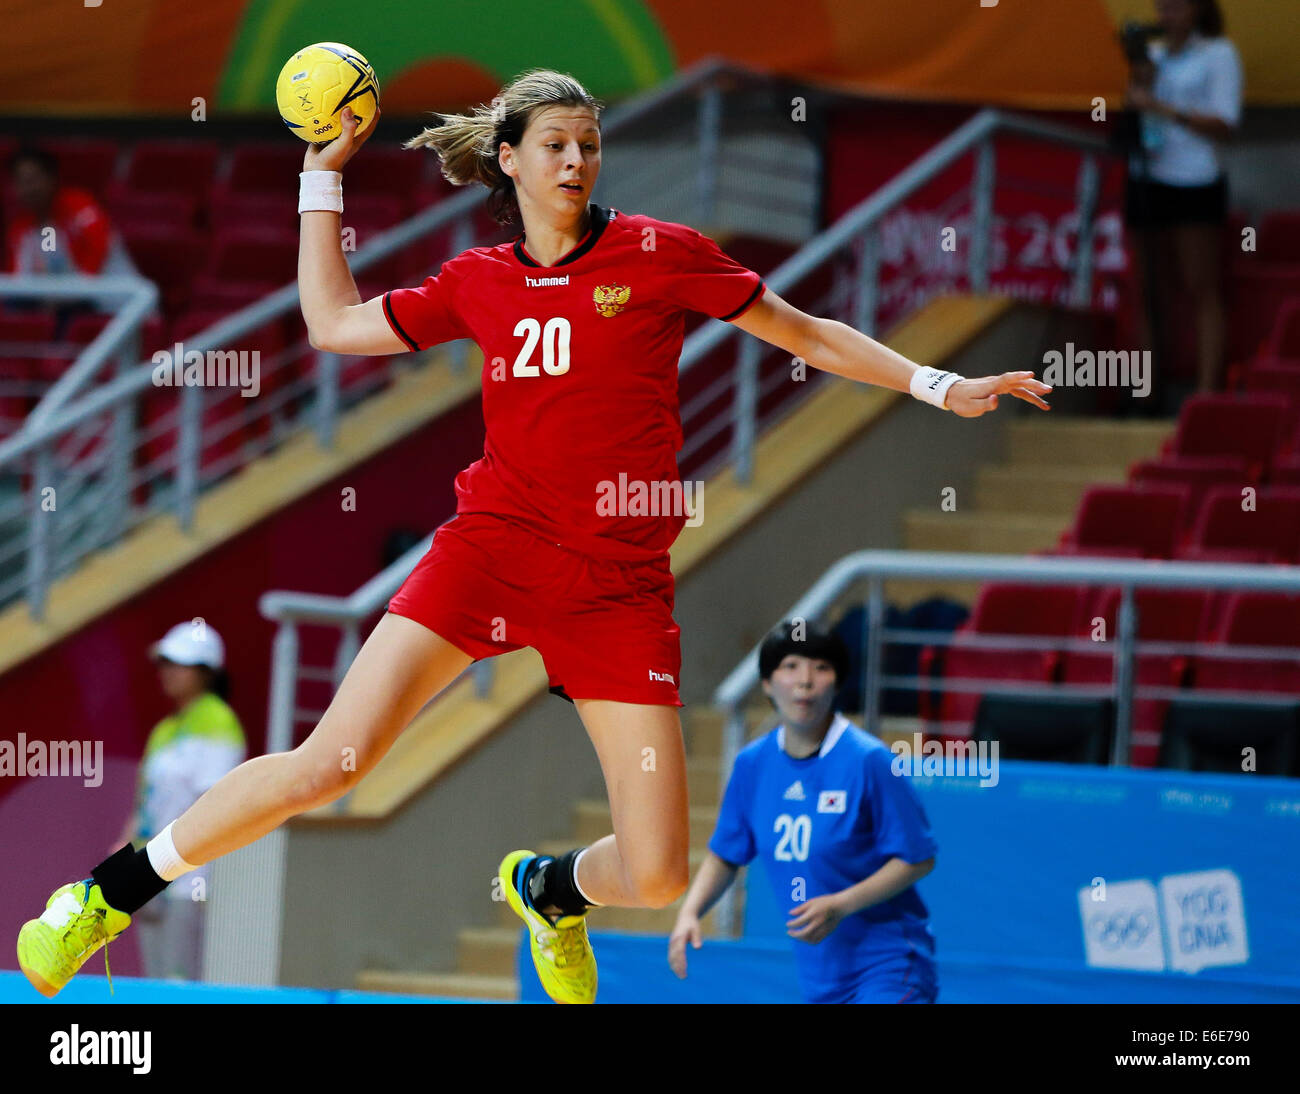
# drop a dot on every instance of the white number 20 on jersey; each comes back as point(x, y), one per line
point(796, 834)
point(555, 346)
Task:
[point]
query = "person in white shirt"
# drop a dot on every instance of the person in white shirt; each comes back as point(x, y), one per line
point(1189, 98)
point(186, 753)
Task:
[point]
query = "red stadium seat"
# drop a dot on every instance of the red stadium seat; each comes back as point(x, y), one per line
point(131, 209)
point(1284, 339)
point(245, 266)
point(1255, 291)
point(1248, 427)
point(1273, 376)
point(17, 392)
point(184, 166)
point(89, 164)
point(387, 171)
point(1254, 619)
point(169, 259)
point(265, 169)
point(1196, 473)
point(1146, 519)
point(1226, 531)
point(1286, 472)
point(1278, 239)
point(232, 212)
point(48, 368)
point(1164, 615)
point(1001, 609)
point(20, 333)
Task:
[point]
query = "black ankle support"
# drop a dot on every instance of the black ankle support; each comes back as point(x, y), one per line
point(127, 880)
point(554, 885)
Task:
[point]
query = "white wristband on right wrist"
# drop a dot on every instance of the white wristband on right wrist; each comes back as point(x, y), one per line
point(320, 191)
point(931, 385)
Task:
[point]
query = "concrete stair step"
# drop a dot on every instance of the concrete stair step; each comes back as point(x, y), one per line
point(703, 780)
point(993, 533)
point(455, 985)
point(487, 951)
point(1043, 491)
point(1084, 441)
point(702, 730)
point(592, 821)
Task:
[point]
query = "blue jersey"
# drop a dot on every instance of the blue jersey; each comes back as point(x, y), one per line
point(822, 824)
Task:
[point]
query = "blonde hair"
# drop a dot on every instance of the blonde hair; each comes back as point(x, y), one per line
point(468, 144)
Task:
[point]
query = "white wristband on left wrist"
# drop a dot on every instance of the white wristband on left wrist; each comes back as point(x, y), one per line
point(931, 385)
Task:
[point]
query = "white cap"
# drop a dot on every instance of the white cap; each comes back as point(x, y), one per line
point(193, 643)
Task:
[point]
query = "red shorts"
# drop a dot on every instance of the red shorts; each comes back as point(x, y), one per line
point(604, 628)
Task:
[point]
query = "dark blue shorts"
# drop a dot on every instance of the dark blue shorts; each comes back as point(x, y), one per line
point(907, 980)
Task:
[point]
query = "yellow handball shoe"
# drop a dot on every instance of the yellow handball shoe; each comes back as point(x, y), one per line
point(76, 923)
point(561, 950)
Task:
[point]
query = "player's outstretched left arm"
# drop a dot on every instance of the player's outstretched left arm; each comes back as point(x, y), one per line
point(835, 347)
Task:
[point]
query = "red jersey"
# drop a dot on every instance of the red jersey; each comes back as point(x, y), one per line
point(580, 374)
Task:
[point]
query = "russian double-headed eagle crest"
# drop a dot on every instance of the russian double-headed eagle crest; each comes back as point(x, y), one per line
point(611, 299)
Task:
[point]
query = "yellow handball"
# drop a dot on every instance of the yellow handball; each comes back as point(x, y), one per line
point(315, 85)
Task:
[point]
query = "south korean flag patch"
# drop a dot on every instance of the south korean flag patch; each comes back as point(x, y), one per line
point(832, 801)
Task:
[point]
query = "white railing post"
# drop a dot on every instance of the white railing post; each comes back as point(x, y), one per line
point(981, 242)
point(1125, 639)
point(709, 124)
point(40, 532)
point(1088, 192)
point(188, 450)
point(867, 297)
point(745, 411)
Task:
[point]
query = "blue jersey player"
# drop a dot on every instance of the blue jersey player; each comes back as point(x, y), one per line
point(843, 839)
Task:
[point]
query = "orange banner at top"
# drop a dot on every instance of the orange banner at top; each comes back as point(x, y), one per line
point(151, 57)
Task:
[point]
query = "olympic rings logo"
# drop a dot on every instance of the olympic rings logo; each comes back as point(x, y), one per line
point(1120, 929)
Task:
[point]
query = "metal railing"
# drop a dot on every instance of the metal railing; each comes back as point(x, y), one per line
point(834, 590)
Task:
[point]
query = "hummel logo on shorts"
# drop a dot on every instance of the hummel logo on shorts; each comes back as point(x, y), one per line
point(664, 676)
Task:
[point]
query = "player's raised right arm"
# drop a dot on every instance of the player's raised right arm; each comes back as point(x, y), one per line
point(337, 320)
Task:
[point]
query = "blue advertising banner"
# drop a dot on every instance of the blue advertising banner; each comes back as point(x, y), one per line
point(1054, 883)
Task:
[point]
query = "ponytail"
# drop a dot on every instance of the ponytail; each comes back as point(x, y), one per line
point(469, 144)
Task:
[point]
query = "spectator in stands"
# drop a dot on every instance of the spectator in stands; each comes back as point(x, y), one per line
point(82, 239)
point(843, 838)
point(186, 753)
point(1188, 92)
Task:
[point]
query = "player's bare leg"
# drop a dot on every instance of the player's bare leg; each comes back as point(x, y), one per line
point(644, 864)
point(401, 666)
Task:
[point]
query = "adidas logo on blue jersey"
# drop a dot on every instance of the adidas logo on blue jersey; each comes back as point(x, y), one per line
point(795, 792)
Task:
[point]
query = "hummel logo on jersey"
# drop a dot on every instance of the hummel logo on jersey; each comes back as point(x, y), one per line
point(665, 676)
point(542, 282)
point(795, 792)
point(832, 801)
